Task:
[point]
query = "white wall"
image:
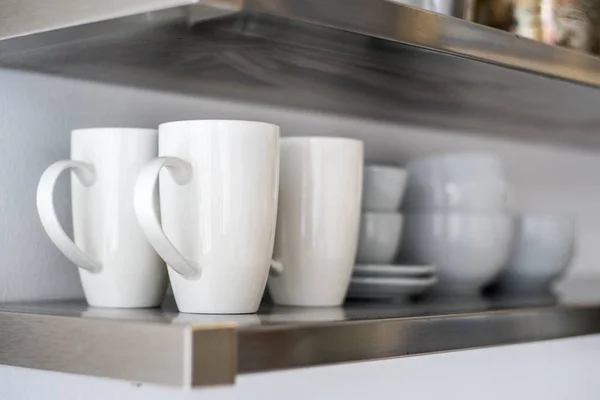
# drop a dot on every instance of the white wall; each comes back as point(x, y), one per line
point(554, 370)
point(37, 112)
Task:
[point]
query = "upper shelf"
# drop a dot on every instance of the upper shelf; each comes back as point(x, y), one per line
point(384, 19)
point(368, 58)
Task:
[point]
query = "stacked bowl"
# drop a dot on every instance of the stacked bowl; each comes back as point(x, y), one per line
point(457, 218)
point(542, 248)
point(376, 276)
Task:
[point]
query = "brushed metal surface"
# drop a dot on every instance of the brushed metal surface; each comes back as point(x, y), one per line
point(213, 356)
point(287, 347)
point(373, 18)
point(276, 61)
point(395, 22)
point(133, 346)
point(165, 347)
point(131, 351)
point(366, 58)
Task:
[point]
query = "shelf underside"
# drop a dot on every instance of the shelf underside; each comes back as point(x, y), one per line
point(164, 347)
point(546, 93)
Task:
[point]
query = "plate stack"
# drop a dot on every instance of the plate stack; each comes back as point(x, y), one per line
point(377, 275)
point(458, 219)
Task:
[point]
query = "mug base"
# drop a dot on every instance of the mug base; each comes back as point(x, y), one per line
point(216, 312)
point(117, 305)
point(193, 309)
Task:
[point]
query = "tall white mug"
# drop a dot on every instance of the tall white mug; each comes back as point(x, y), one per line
point(118, 267)
point(218, 205)
point(318, 220)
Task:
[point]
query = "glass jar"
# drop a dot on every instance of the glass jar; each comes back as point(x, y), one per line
point(572, 23)
point(568, 23)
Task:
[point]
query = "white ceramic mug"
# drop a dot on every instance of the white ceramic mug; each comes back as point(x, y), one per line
point(318, 220)
point(118, 267)
point(218, 205)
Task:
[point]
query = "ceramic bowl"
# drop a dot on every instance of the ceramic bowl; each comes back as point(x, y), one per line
point(455, 168)
point(468, 249)
point(379, 238)
point(492, 195)
point(383, 188)
point(541, 252)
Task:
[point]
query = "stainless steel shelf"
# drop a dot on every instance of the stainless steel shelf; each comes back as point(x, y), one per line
point(165, 347)
point(382, 19)
point(366, 58)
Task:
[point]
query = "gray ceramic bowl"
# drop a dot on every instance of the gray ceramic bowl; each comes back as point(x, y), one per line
point(380, 236)
point(383, 188)
point(468, 250)
point(542, 249)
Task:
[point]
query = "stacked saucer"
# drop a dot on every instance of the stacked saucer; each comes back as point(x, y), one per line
point(377, 276)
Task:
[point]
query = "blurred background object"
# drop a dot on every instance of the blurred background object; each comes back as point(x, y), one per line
point(568, 23)
point(493, 13)
point(574, 24)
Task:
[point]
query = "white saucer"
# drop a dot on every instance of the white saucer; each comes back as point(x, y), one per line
point(390, 271)
point(388, 288)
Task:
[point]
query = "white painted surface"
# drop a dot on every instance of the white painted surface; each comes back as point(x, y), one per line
point(554, 370)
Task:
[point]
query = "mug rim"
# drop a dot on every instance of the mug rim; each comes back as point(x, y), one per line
point(200, 121)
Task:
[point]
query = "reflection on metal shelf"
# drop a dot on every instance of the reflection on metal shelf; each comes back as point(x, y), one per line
point(165, 347)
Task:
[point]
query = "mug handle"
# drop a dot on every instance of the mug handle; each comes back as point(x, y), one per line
point(45, 206)
point(143, 203)
point(181, 171)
